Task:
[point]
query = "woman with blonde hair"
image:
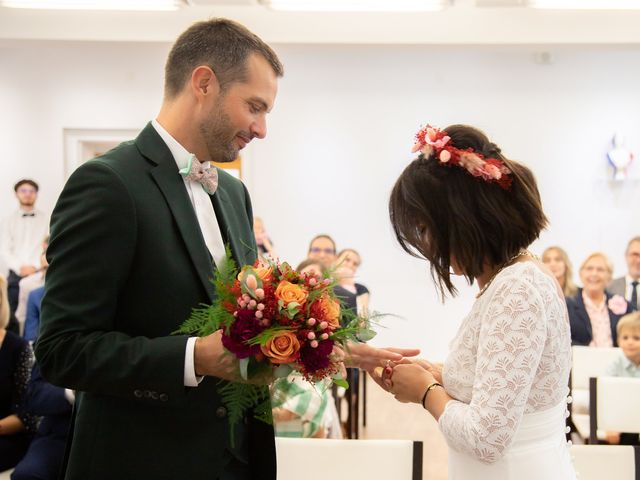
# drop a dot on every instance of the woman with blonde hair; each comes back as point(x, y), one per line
point(15, 369)
point(558, 262)
point(594, 312)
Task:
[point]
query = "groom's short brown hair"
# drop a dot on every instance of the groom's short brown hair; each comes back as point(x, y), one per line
point(221, 44)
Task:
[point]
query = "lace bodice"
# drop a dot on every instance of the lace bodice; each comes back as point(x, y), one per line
point(511, 356)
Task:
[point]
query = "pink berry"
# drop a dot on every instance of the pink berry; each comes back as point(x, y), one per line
point(311, 321)
point(311, 335)
point(259, 293)
point(324, 336)
point(314, 344)
point(323, 325)
point(312, 282)
point(252, 303)
point(258, 314)
point(260, 306)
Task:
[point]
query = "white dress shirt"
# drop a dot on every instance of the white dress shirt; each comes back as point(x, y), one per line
point(629, 290)
point(21, 238)
point(209, 227)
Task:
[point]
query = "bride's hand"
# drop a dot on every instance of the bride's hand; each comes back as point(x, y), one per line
point(434, 369)
point(366, 357)
point(408, 382)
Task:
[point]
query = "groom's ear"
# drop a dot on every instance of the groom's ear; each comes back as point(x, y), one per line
point(204, 82)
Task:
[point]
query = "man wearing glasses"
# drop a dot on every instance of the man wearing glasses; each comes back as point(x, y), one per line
point(21, 238)
point(323, 249)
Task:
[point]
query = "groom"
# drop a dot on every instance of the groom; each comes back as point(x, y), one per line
point(132, 245)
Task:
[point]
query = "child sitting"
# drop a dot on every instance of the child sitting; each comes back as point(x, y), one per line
point(626, 365)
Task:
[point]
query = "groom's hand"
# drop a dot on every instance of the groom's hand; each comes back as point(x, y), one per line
point(210, 358)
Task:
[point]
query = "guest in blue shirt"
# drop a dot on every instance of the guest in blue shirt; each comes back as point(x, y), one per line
point(626, 365)
point(32, 323)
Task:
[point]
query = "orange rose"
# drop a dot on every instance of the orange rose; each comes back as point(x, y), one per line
point(290, 292)
point(329, 310)
point(281, 348)
point(263, 272)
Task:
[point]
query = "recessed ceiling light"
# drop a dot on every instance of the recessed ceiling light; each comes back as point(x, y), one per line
point(94, 4)
point(586, 4)
point(356, 5)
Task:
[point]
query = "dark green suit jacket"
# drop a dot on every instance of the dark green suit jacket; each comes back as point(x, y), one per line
point(127, 264)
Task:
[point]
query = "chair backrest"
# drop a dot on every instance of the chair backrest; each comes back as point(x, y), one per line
point(598, 462)
point(613, 405)
point(319, 459)
point(590, 362)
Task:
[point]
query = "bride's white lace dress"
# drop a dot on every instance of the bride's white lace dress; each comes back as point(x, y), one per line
point(508, 372)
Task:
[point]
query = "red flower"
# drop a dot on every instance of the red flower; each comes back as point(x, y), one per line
point(314, 359)
point(244, 328)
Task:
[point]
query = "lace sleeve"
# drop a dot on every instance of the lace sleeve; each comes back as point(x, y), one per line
point(511, 341)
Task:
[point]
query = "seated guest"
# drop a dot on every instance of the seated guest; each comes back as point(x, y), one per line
point(15, 367)
point(30, 283)
point(322, 248)
point(45, 455)
point(354, 296)
point(593, 312)
point(558, 262)
point(32, 323)
point(626, 365)
point(627, 286)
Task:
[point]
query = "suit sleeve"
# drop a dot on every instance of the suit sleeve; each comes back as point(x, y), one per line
point(93, 240)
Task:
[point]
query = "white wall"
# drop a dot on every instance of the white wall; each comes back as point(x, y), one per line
point(341, 133)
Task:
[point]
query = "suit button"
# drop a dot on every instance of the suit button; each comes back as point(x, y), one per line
point(138, 393)
point(147, 394)
point(163, 397)
point(154, 395)
point(221, 412)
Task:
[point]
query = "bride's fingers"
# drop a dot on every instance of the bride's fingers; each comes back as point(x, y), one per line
point(405, 352)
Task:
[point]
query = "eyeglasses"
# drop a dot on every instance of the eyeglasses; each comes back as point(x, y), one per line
point(328, 251)
point(26, 190)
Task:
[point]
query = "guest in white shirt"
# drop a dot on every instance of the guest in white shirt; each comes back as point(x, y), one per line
point(21, 239)
point(29, 284)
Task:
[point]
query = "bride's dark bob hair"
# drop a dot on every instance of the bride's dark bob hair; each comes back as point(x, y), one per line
point(443, 213)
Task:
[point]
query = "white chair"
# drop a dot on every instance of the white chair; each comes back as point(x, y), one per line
point(587, 362)
point(613, 405)
point(598, 462)
point(319, 459)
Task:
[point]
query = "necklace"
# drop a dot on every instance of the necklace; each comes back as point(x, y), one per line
point(502, 267)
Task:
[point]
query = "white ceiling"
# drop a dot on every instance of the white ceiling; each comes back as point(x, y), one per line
point(464, 23)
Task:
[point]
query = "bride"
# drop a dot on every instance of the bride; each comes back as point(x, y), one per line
point(500, 399)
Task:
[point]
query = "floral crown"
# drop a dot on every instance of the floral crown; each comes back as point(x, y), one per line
point(433, 140)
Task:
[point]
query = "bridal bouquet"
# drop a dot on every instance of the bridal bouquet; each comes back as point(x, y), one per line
point(274, 321)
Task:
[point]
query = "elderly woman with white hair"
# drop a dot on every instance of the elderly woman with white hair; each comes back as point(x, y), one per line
point(594, 312)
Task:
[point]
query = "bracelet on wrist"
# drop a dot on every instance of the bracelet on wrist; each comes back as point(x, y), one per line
point(426, 392)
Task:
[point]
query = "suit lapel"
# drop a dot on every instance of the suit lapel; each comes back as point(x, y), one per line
point(228, 227)
point(166, 176)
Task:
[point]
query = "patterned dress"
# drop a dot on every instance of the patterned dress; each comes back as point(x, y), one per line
point(508, 371)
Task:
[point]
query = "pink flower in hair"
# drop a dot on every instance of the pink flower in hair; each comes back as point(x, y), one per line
point(493, 171)
point(436, 138)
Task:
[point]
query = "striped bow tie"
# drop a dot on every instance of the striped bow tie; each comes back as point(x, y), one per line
point(202, 172)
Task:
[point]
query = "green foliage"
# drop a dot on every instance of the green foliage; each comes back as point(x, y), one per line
point(261, 338)
point(239, 398)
